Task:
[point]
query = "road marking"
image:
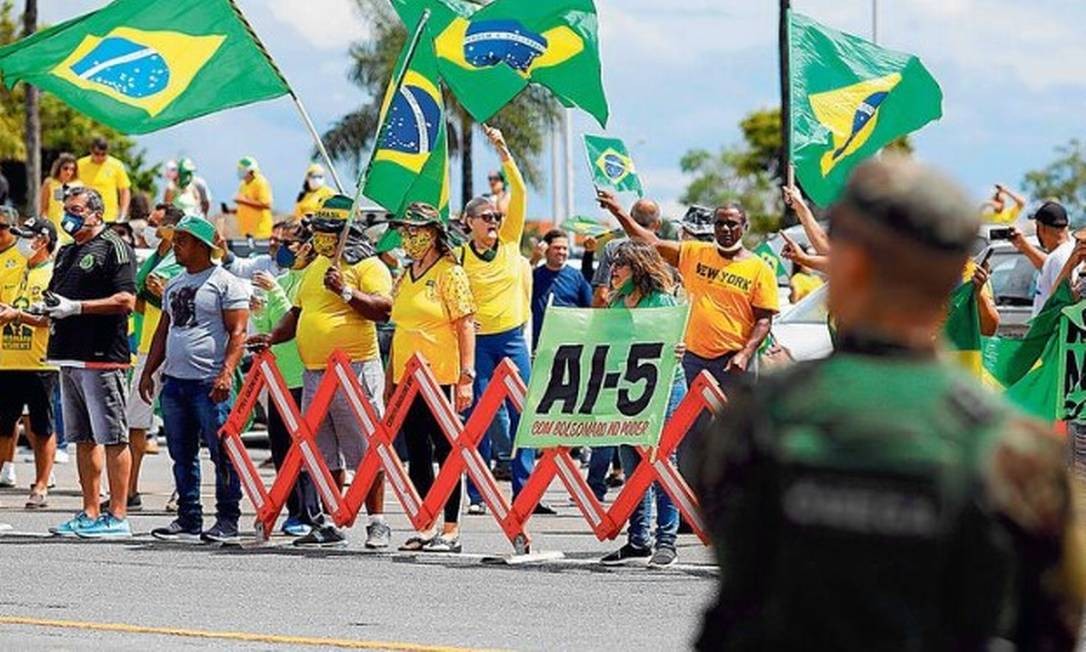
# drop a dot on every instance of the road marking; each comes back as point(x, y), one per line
point(229, 636)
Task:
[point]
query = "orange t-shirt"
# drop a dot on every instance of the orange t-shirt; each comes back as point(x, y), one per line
point(723, 294)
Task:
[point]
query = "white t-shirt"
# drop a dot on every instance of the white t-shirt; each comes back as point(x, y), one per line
point(1046, 281)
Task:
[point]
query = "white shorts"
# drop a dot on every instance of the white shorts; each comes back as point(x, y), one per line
point(141, 415)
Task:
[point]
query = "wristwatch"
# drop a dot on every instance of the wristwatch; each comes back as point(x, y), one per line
point(346, 294)
point(467, 372)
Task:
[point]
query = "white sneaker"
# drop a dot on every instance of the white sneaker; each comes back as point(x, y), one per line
point(7, 475)
point(61, 456)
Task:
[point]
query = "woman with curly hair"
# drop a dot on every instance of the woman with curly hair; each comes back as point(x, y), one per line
point(641, 279)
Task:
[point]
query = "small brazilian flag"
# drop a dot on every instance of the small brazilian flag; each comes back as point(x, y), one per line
point(142, 65)
point(766, 253)
point(850, 98)
point(611, 166)
point(489, 55)
point(583, 226)
point(410, 160)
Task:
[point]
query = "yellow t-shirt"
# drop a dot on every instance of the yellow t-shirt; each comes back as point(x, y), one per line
point(723, 294)
point(311, 201)
point(151, 316)
point(497, 285)
point(424, 310)
point(12, 267)
point(22, 347)
point(327, 323)
point(108, 179)
point(804, 284)
point(1008, 215)
point(253, 221)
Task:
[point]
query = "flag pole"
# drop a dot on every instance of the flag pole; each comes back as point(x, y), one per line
point(397, 84)
point(293, 96)
point(785, 48)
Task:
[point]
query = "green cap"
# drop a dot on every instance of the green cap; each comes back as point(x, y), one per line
point(249, 164)
point(198, 228)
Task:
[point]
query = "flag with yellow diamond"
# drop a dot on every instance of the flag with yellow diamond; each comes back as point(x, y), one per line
point(611, 166)
point(488, 56)
point(850, 98)
point(143, 65)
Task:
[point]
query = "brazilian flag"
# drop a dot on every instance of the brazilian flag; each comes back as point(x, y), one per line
point(489, 55)
point(611, 166)
point(850, 98)
point(410, 159)
point(766, 253)
point(142, 65)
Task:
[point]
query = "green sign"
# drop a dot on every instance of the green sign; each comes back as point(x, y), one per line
point(1072, 363)
point(601, 377)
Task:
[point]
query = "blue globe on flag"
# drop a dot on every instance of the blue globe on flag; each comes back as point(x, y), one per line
point(131, 69)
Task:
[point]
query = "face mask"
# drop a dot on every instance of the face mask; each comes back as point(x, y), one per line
point(417, 244)
point(71, 224)
point(150, 236)
point(285, 258)
point(25, 247)
point(732, 249)
point(184, 180)
point(313, 183)
point(325, 244)
point(242, 173)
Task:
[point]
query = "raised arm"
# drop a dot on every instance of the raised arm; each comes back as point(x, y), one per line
point(1035, 255)
point(815, 233)
point(669, 249)
point(512, 229)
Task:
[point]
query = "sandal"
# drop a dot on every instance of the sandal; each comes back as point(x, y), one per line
point(444, 543)
point(416, 543)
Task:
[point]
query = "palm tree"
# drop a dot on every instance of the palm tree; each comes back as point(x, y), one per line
point(525, 122)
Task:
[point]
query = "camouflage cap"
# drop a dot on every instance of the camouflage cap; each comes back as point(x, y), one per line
point(910, 200)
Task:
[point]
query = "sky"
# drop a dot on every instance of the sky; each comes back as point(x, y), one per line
point(680, 75)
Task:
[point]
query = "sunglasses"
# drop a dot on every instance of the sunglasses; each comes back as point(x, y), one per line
point(490, 218)
point(493, 178)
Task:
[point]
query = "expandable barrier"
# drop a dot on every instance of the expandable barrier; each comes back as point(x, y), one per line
point(423, 512)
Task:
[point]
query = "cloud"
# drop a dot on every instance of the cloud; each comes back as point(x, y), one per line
point(324, 24)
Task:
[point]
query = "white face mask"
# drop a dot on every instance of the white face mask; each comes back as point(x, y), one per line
point(732, 249)
point(150, 236)
point(314, 182)
point(25, 247)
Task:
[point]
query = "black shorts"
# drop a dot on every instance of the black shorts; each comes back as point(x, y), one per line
point(32, 390)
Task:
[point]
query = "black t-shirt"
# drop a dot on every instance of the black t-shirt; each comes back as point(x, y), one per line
point(96, 269)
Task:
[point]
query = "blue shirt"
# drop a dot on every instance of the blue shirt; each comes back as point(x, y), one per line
point(566, 285)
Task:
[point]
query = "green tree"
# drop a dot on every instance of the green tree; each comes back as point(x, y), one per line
point(63, 128)
point(525, 122)
point(748, 173)
point(1063, 180)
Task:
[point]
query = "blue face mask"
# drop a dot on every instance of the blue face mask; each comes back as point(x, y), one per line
point(71, 223)
point(285, 258)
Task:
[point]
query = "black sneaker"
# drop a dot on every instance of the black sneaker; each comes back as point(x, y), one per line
point(135, 504)
point(222, 532)
point(627, 554)
point(177, 532)
point(326, 536)
point(544, 508)
point(663, 557)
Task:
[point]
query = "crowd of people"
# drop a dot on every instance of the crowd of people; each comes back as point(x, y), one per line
point(459, 292)
point(852, 470)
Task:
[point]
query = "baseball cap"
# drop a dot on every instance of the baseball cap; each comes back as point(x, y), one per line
point(35, 227)
point(1051, 214)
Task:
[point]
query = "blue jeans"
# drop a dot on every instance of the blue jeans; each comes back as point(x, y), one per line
point(191, 416)
point(490, 350)
point(598, 464)
point(667, 514)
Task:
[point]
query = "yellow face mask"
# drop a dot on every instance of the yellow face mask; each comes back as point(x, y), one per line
point(415, 245)
point(325, 244)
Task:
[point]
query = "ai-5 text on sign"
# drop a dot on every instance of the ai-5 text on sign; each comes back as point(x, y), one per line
point(602, 377)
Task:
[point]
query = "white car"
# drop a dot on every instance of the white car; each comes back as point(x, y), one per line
point(802, 328)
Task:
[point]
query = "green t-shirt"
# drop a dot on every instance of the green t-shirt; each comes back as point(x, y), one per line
point(279, 302)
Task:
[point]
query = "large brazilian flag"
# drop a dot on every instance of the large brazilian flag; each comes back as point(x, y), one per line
point(487, 56)
point(410, 159)
point(142, 65)
point(850, 98)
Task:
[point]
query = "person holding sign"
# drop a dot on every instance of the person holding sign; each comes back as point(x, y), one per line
point(493, 264)
point(434, 313)
point(642, 279)
point(733, 292)
point(876, 499)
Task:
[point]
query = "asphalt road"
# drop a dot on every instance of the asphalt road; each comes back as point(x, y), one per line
point(142, 594)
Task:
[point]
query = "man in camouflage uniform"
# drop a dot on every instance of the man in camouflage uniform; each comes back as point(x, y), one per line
point(879, 499)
